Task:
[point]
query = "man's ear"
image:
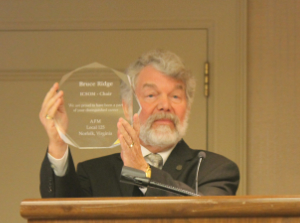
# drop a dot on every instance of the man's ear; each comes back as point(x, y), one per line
point(188, 109)
point(188, 106)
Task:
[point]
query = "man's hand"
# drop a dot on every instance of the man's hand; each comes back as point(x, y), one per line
point(53, 106)
point(131, 153)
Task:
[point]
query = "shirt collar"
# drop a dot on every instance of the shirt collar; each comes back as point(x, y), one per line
point(165, 154)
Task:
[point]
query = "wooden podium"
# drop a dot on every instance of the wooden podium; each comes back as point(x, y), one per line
point(256, 209)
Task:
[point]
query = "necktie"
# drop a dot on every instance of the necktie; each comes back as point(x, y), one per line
point(154, 160)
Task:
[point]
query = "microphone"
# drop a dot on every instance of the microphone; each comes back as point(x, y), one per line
point(201, 156)
point(137, 177)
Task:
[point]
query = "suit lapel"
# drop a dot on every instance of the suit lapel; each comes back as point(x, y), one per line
point(177, 159)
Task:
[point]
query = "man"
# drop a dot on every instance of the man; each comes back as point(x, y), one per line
point(165, 89)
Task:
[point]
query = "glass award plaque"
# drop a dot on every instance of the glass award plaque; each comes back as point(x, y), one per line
point(95, 97)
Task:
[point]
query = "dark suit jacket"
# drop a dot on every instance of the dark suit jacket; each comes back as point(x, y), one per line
point(100, 177)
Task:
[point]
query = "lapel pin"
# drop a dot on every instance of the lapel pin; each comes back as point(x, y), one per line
point(179, 167)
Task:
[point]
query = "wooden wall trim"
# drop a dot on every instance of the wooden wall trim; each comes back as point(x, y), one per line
point(216, 101)
point(241, 123)
point(78, 25)
point(31, 75)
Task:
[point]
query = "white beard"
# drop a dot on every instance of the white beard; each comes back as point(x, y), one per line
point(163, 135)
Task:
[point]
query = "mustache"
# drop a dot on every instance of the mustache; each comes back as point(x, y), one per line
point(163, 115)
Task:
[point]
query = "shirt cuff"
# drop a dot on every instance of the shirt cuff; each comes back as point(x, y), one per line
point(59, 166)
point(143, 189)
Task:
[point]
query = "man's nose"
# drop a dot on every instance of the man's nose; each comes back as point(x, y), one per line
point(164, 104)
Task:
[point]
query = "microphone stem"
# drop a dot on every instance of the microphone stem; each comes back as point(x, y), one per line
point(196, 181)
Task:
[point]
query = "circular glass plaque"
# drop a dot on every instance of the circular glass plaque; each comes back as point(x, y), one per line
point(95, 97)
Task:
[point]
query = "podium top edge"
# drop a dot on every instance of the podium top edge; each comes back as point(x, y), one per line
point(161, 207)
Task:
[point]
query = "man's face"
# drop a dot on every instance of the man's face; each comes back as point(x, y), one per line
point(163, 100)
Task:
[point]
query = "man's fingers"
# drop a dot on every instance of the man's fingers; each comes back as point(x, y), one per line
point(61, 107)
point(131, 155)
point(52, 111)
point(122, 131)
point(124, 145)
point(52, 105)
point(136, 124)
point(129, 129)
point(50, 94)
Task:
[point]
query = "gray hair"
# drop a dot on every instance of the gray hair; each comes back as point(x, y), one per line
point(168, 63)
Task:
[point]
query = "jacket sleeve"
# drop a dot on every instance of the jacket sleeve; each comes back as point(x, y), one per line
point(160, 176)
point(219, 178)
point(55, 186)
